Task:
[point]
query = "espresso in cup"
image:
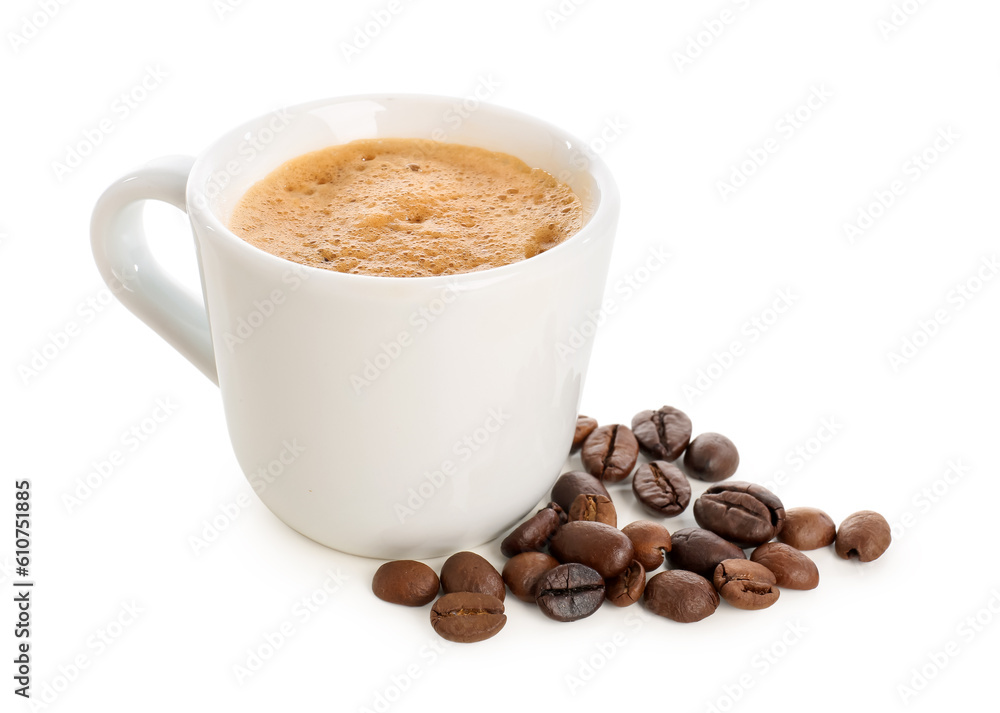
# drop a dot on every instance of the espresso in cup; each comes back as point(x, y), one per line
point(319, 363)
point(407, 208)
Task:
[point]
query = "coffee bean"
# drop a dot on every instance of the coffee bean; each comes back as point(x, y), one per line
point(571, 484)
point(662, 434)
point(523, 572)
point(467, 617)
point(865, 535)
point(745, 584)
point(406, 582)
point(584, 427)
point(602, 547)
point(746, 514)
point(649, 540)
point(533, 534)
point(808, 529)
point(681, 596)
point(570, 592)
point(627, 587)
point(791, 568)
point(595, 508)
point(711, 457)
point(610, 453)
point(662, 488)
point(469, 572)
point(700, 551)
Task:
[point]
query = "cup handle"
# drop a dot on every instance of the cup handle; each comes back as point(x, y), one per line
point(130, 270)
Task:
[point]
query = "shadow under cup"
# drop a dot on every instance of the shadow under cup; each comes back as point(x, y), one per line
point(399, 417)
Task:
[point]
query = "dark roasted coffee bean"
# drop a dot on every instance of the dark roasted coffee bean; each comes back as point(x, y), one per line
point(700, 551)
point(680, 595)
point(650, 540)
point(534, 534)
point(600, 546)
point(610, 453)
point(662, 488)
point(711, 457)
point(746, 514)
point(571, 484)
point(662, 434)
point(523, 572)
point(469, 572)
point(864, 535)
point(595, 508)
point(585, 425)
point(406, 582)
point(627, 587)
point(792, 569)
point(570, 592)
point(808, 529)
point(466, 617)
point(745, 584)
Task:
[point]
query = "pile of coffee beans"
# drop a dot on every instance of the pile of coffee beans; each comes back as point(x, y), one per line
point(570, 556)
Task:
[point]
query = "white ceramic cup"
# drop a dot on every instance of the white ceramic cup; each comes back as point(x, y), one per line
point(381, 416)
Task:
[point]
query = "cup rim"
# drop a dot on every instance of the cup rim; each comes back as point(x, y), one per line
point(604, 210)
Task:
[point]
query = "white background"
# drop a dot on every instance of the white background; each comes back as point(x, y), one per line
point(670, 131)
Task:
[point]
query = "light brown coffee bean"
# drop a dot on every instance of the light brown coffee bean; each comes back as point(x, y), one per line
point(746, 584)
point(406, 582)
point(791, 568)
point(864, 535)
point(711, 457)
point(601, 547)
point(650, 541)
point(627, 587)
point(681, 596)
point(746, 514)
point(610, 453)
point(467, 617)
point(662, 434)
point(585, 425)
point(523, 572)
point(807, 529)
point(662, 488)
point(593, 508)
point(469, 572)
point(700, 551)
point(533, 534)
point(571, 484)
